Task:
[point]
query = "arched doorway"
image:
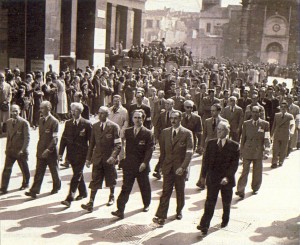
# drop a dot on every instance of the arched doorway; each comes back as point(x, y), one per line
point(274, 51)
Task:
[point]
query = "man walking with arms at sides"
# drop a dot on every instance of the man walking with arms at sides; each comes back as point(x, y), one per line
point(104, 148)
point(176, 150)
point(46, 151)
point(75, 138)
point(281, 134)
point(220, 162)
point(16, 148)
point(255, 145)
point(139, 142)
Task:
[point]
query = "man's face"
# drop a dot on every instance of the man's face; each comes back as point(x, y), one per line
point(221, 131)
point(255, 114)
point(226, 95)
point(245, 94)
point(232, 102)
point(1, 78)
point(175, 119)
point(188, 108)
point(44, 109)
point(75, 113)
point(116, 102)
point(14, 112)
point(214, 112)
point(168, 105)
point(102, 115)
point(160, 94)
point(137, 119)
point(139, 98)
point(283, 108)
point(178, 91)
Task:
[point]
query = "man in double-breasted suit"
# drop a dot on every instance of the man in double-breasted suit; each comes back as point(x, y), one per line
point(235, 116)
point(139, 148)
point(220, 163)
point(163, 122)
point(255, 145)
point(281, 133)
point(46, 151)
point(75, 138)
point(175, 155)
point(16, 148)
point(210, 132)
point(104, 148)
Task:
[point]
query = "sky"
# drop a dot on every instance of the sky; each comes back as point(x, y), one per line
point(186, 5)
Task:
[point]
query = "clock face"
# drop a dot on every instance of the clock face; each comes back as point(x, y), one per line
point(276, 28)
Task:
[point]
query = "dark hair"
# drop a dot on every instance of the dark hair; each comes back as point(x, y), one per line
point(140, 111)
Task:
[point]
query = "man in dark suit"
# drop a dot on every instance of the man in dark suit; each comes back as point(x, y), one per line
point(244, 101)
point(159, 105)
point(281, 134)
point(175, 155)
point(199, 99)
point(220, 163)
point(16, 148)
point(235, 116)
point(208, 101)
point(139, 148)
point(178, 100)
point(139, 105)
point(255, 145)
point(104, 148)
point(46, 151)
point(75, 138)
point(162, 123)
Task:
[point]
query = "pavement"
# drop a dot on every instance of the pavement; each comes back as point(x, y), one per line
point(268, 218)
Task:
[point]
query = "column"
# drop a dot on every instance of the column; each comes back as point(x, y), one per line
point(138, 24)
point(110, 25)
point(113, 25)
point(129, 28)
point(73, 28)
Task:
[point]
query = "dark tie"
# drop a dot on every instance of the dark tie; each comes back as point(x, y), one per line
point(282, 115)
point(75, 123)
point(174, 134)
point(168, 118)
point(135, 132)
point(43, 120)
point(231, 109)
point(101, 127)
point(14, 123)
point(255, 123)
point(214, 124)
point(220, 145)
point(115, 110)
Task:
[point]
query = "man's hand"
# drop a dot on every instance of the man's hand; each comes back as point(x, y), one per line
point(45, 153)
point(142, 167)
point(179, 171)
point(224, 181)
point(87, 163)
point(111, 160)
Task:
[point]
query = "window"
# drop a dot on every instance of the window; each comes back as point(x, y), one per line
point(208, 27)
point(158, 23)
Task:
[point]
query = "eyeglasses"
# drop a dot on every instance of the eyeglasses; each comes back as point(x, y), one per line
point(188, 107)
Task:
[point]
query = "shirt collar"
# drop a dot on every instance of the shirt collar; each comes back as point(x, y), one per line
point(223, 141)
point(77, 120)
point(46, 118)
point(177, 129)
point(103, 123)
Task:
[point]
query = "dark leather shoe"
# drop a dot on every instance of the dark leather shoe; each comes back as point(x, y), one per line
point(23, 187)
point(30, 194)
point(66, 203)
point(146, 209)
point(54, 191)
point(240, 194)
point(3, 192)
point(179, 216)
point(80, 197)
point(157, 175)
point(254, 192)
point(111, 200)
point(118, 214)
point(224, 224)
point(274, 166)
point(65, 165)
point(280, 164)
point(203, 230)
point(89, 207)
point(158, 221)
point(202, 187)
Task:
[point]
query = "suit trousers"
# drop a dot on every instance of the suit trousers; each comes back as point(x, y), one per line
point(279, 149)
point(9, 162)
point(128, 181)
point(40, 173)
point(169, 181)
point(77, 181)
point(211, 200)
point(256, 176)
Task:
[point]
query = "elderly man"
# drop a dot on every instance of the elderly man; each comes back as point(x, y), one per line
point(104, 148)
point(16, 148)
point(220, 163)
point(5, 99)
point(75, 138)
point(255, 145)
point(175, 155)
point(46, 151)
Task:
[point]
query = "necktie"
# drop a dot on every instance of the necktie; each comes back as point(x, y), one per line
point(255, 123)
point(174, 134)
point(231, 109)
point(101, 127)
point(168, 118)
point(43, 120)
point(214, 124)
point(282, 115)
point(14, 122)
point(220, 145)
point(135, 132)
point(75, 123)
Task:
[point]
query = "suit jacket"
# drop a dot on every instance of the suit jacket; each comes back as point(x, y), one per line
point(146, 109)
point(17, 136)
point(199, 102)
point(47, 137)
point(177, 152)
point(207, 103)
point(76, 139)
point(158, 107)
point(162, 122)
point(208, 131)
point(243, 103)
point(138, 149)
point(281, 126)
point(218, 164)
point(104, 145)
point(194, 123)
point(255, 139)
point(235, 118)
point(178, 103)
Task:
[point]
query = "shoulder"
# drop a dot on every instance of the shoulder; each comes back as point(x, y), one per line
point(111, 123)
point(85, 121)
point(146, 130)
point(52, 118)
point(233, 144)
point(185, 130)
